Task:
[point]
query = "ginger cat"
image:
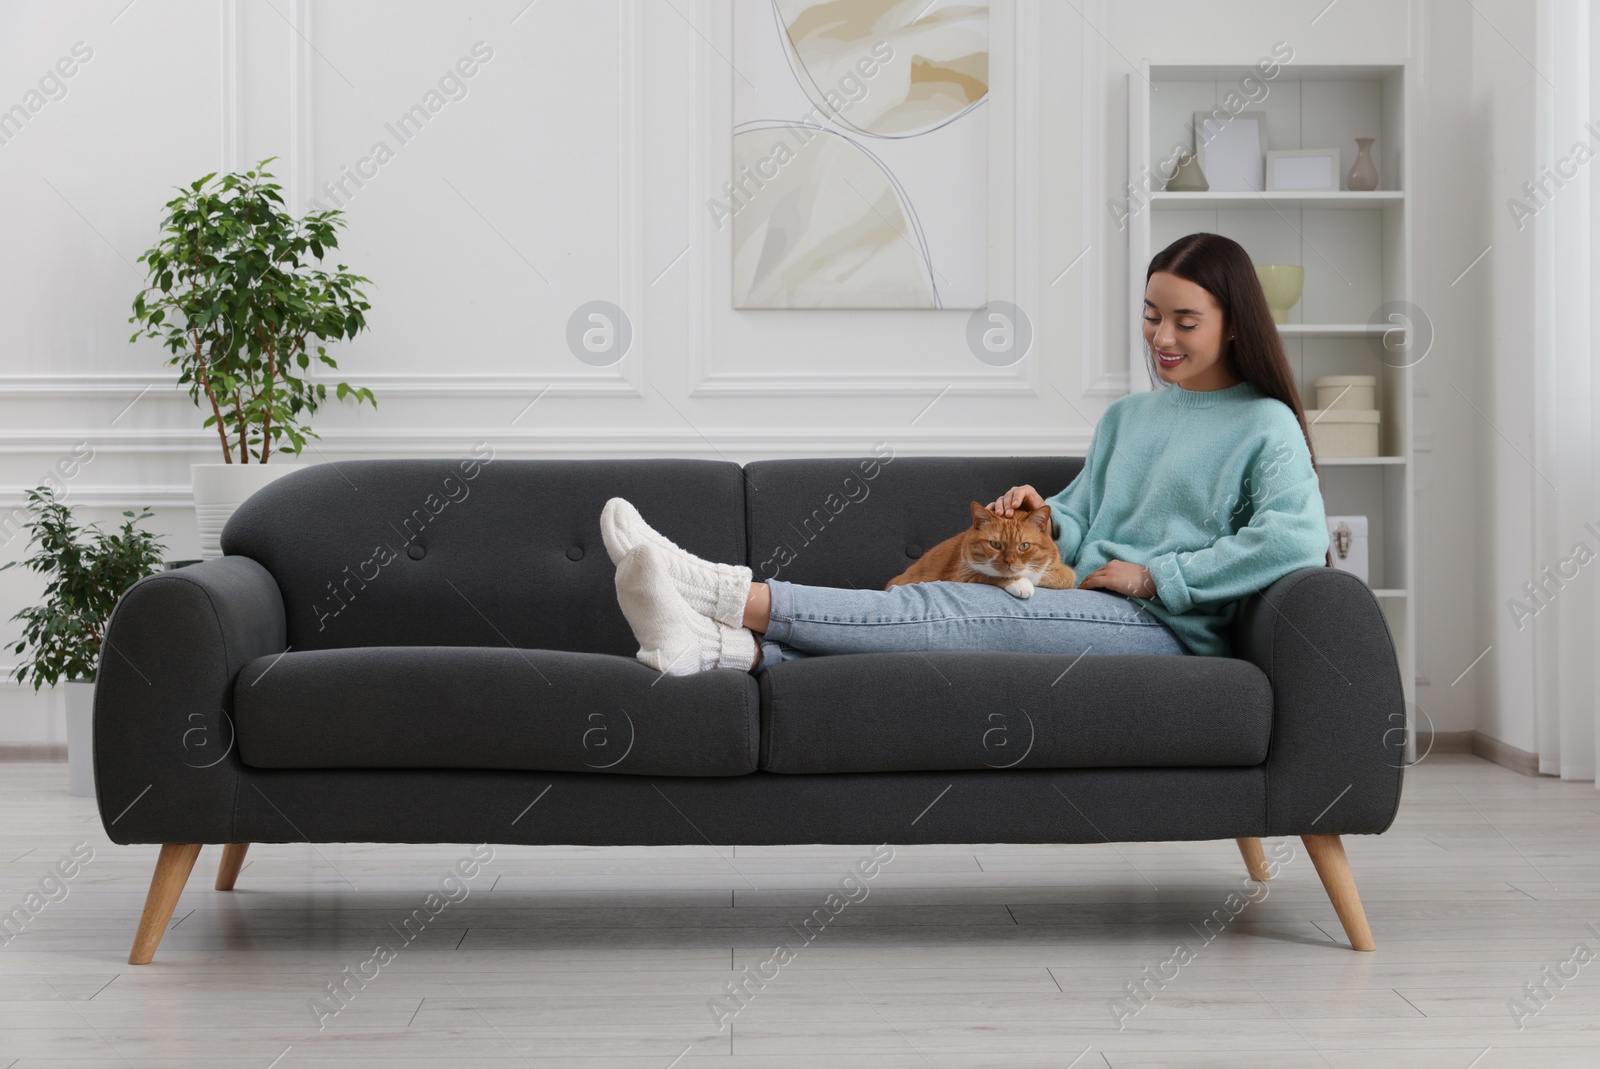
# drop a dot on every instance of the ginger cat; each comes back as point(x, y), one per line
point(1015, 553)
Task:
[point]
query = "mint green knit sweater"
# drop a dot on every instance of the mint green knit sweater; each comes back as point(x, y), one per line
point(1212, 490)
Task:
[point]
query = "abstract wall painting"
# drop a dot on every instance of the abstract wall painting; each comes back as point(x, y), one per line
point(860, 154)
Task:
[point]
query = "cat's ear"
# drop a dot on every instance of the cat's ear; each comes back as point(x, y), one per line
point(1039, 517)
point(980, 514)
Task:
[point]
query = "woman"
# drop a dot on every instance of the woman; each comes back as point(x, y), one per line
point(1192, 496)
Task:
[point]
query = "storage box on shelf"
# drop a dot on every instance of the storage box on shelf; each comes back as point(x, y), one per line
point(1344, 422)
point(1350, 434)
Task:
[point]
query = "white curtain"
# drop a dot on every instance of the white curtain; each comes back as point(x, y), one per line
point(1566, 633)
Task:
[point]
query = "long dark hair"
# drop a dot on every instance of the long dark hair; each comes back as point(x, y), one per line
point(1222, 268)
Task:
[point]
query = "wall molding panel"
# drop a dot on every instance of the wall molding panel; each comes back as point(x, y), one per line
point(1014, 270)
point(421, 384)
point(1103, 375)
point(626, 377)
point(583, 441)
point(228, 90)
point(110, 496)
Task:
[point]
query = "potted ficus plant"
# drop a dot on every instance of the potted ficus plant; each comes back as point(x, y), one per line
point(87, 570)
point(236, 293)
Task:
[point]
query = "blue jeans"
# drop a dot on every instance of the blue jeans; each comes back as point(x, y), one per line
point(811, 620)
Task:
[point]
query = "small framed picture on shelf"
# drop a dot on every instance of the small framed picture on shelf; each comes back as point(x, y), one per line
point(1347, 539)
point(1231, 150)
point(1303, 170)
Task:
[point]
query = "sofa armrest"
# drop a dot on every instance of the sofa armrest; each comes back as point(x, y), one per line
point(1337, 755)
point(166, 770)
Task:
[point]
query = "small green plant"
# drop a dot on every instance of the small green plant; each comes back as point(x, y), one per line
point(88, 570)
point(233, 292)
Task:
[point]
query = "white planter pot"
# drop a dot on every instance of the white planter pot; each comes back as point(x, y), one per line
point(80, 737)
point(221, 488)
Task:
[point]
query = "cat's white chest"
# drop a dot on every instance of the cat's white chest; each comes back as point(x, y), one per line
point(1020, 584)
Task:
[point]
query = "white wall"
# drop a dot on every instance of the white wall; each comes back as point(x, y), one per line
point(1463, 271)
point(1503, 157)
point(578, 167)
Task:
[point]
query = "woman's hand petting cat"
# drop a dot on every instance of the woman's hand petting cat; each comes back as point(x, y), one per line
point(1018, 497)
point(1122, 577)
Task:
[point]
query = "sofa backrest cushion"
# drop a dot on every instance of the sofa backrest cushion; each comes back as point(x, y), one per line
point(475, 552)
point(861, 522)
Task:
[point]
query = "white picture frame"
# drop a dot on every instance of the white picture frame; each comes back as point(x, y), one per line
point(1232, 150)
point(1303, 170)
point(1348, 543)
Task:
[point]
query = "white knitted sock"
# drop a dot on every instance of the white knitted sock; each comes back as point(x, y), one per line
point(716, 590)
point(673, 637)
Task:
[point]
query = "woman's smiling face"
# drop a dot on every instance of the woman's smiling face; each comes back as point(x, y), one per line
point(1184, 329)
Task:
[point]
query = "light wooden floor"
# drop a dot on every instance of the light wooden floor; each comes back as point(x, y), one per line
point(959, 957)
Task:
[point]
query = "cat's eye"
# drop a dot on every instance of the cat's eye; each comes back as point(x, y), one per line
point(995, 544)
point(1024, 545)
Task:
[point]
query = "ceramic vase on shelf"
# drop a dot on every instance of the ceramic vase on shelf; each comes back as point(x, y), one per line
point(1282, 284)
point(1363, 176)
point(1188, 178)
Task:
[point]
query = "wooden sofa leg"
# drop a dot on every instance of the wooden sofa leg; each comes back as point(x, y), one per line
point(172, 872)
point(1327, 854)
point(232, 862)
point(1255, 859)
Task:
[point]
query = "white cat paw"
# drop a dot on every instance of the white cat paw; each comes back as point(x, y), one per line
point(1021, 588)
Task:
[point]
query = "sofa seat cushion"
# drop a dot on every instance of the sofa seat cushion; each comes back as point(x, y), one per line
point(904, 712)
point(486, 708)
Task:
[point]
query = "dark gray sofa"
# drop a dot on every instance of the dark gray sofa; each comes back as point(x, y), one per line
point(458, 670)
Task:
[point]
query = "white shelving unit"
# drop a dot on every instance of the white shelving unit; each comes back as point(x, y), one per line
point(1355, 247)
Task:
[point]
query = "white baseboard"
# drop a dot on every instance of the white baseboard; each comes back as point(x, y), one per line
point(1479, 745)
